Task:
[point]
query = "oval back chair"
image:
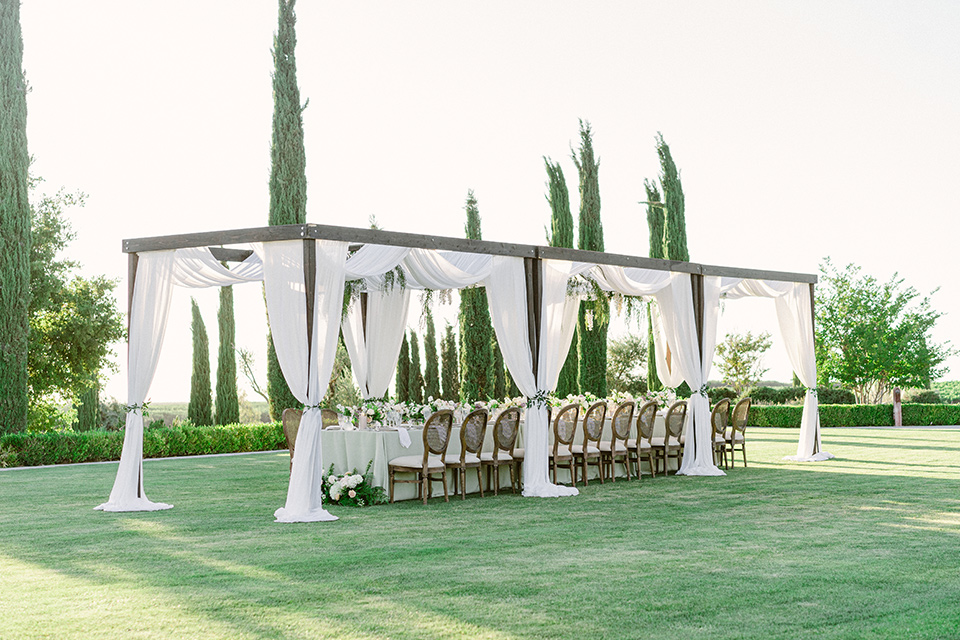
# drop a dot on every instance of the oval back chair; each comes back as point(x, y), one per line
point(616, 448)
point(588, 453)
point(472, 432)
point(669, 446)
point(564, 432)
point(291, 425)
point(636, 449)
point(505, 431)
point(436, 438)
point(737, 433)
point(718, 424)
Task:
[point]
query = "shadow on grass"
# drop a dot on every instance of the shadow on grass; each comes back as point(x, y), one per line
point(818, 553)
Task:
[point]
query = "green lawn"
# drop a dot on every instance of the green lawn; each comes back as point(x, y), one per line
point(864, 546)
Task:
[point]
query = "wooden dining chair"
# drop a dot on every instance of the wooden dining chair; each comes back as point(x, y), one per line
point(564, 431)
point(505, 431)
point(436, 437)
point(669, 445)
point(290, 418)
point(616, 447)
point(639, 447)
point(737, 435)
point(472, 431)
point(718, 428)
point(329, 418)
point(588, 453)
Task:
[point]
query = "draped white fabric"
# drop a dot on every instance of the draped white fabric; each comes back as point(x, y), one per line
point(423, 268)
point(680, 330)
point(148, 320)
point(507, 296)
point(306, 366)
point(197, 268)
point(668, 372)
point(374, 352)
point(795, 317)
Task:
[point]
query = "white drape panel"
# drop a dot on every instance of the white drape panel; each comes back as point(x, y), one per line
point(795, 317)
point(506, 293)
point(374, 354)
point(148, 322)
point(446, 269)
point(306, 368)
point(196, 268)
point(680, 329)
point(374, 260)
point(667, 371)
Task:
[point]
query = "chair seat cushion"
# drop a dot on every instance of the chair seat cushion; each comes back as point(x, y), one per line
point(518, 453)
point(502, 456)
point(738, 437)
point(605, 446)
point(454, 459)
point(658, 441)
point(416, 462)
point(577, 449)
point(632, 443)
point(562, 454)
point(719, 439)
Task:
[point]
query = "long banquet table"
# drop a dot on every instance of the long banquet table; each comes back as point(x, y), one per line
point(353, 449)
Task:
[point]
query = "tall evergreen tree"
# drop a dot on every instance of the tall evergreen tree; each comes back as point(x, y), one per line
point(403, 371)
point(655, 223)
point(450, 369)
point(14, 224)
point(561, 235)
point(288, 178)
point(499, 373)
point(88, 407)
point(476, 331)
point(431, 364)
point(200, 409)
point(415, 381)
point(228, 401)
point(675, 225)
point(593, 320)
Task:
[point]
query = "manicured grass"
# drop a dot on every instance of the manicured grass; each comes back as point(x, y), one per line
point(864, 546)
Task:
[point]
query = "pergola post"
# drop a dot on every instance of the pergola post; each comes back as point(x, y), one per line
point(133, 262)
point(309, 284)
point(813, 330)
point(696, 288)
point(533, 273)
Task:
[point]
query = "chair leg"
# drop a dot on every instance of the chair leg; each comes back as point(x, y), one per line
point(479, 481)
point(496, 479)
point(424, 491)
point(462, 476)
point(446, 496)
point(513, 477)
point(743, 447)
point(391, 485)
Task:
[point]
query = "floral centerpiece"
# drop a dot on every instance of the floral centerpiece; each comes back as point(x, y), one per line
point(352, 489)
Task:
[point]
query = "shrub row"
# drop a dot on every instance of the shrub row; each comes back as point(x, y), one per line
point(782, 395)
point(857, 415)
point(61, 447)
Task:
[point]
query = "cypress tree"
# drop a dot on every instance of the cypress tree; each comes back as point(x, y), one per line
point(561, 235)
point(199, 411)
point(675, 226)
point(476, 331)
point(593, 318)
point(228, 401)
point(499, 373)
point(431, 364)
point(288, 178)
point(403, 371)
point(88, 408)
point(415, 381)
point(450, 370)
point(14, 224)
point(655, 222)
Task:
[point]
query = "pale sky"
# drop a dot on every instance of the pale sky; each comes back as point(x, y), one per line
point(802, 130)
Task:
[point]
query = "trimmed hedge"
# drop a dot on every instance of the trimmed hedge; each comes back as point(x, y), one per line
point(782, 395)
point(61, 447)
point(857, 415)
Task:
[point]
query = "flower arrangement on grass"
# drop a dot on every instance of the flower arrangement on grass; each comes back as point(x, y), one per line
point(352, 489)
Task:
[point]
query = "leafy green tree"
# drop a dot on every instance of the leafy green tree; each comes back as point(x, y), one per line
point(449, 365)
point(228, 400)
point(431, 375)
point(200, 409)
point(74, 320)
point(655, 223)
point(341, 389)
point(594, 316)
point(415, 381)
point(88, 407)
point(14, 225)
point(288, 178)
point(403, 371)
point(873, 336)
point(740, 359)
point(560, 234)
point(476, 330)
point(625, 359)
point(499, 373)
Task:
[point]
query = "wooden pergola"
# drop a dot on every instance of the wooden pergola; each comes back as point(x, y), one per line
point(531, 254)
